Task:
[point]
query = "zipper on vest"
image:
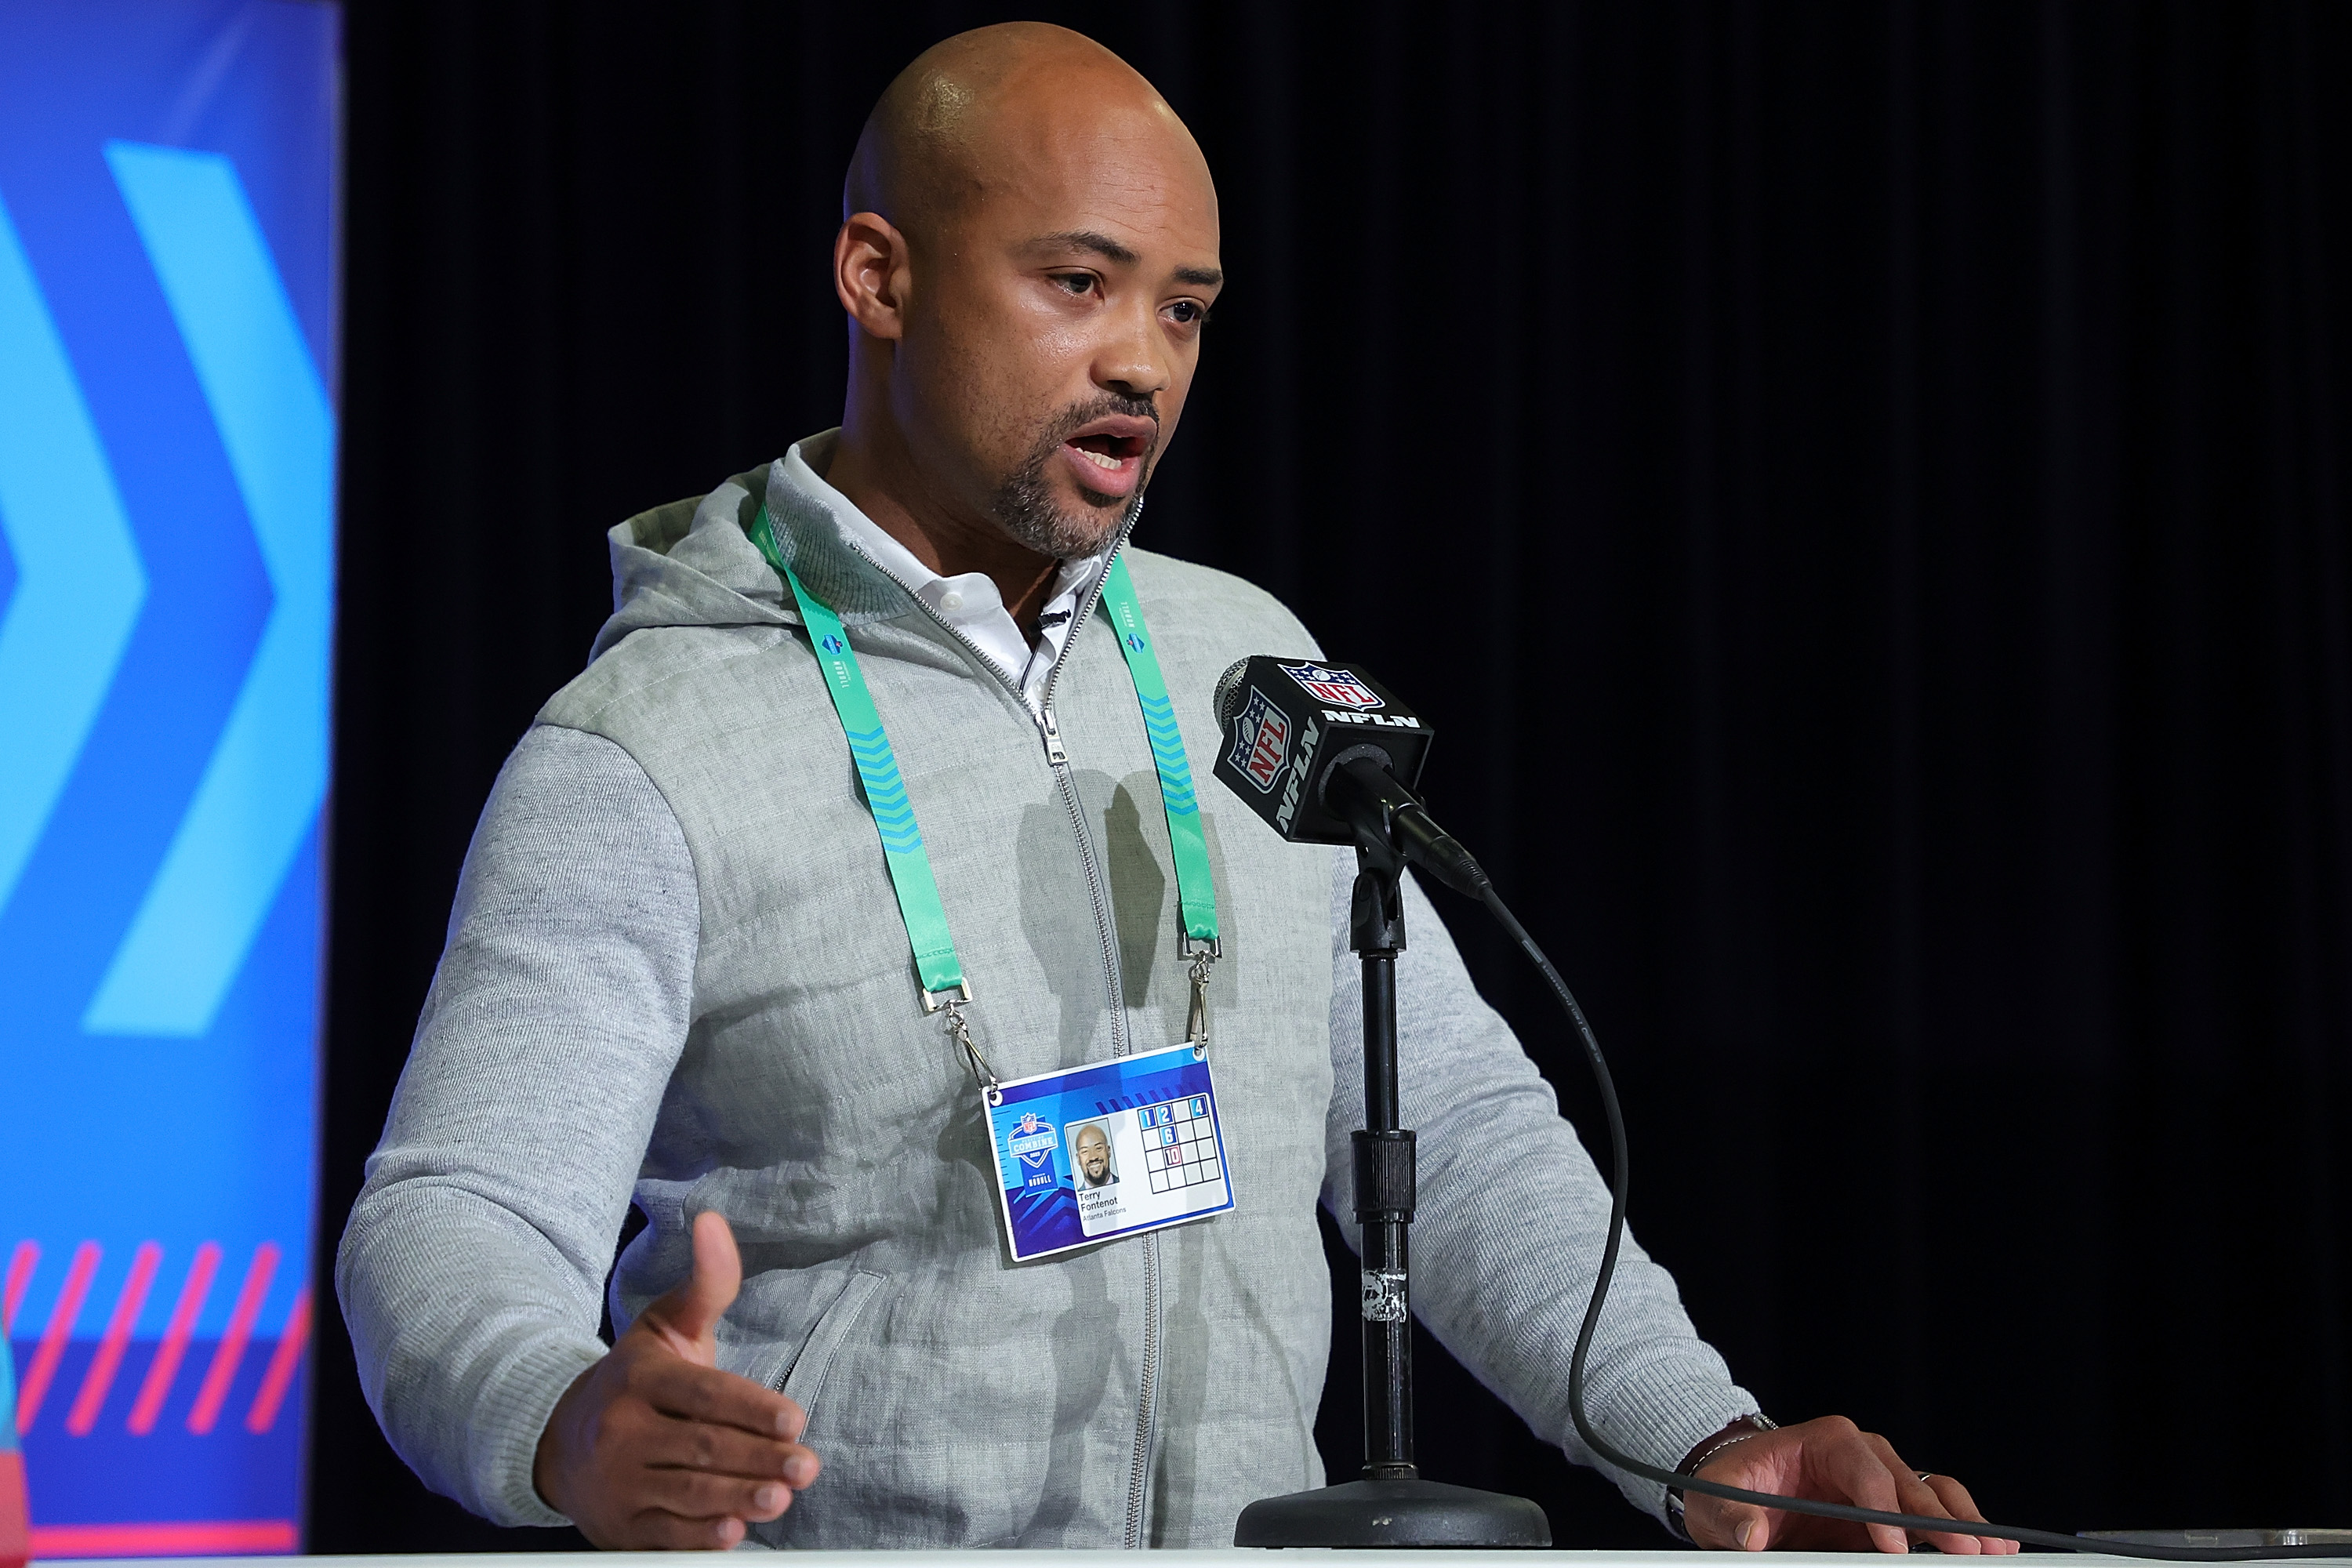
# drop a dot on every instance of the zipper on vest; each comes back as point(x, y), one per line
point(1098, 894)
point(1146, 1415)
point(1147, 1405)
point(1057, 758)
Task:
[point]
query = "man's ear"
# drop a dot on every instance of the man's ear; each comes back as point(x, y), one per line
point(871, 273)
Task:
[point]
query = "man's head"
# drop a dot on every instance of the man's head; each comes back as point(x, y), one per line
point(1028, 251)
point(1093, 1154)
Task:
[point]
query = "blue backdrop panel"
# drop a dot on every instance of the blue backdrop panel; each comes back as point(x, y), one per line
point(167, 455)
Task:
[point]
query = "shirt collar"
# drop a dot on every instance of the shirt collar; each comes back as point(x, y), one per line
point(969, 601)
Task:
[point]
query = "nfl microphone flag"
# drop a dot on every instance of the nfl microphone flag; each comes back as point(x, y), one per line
point(15, 1542)
point(1286, 724)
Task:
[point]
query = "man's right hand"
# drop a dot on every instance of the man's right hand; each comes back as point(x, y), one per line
point(653, 1447)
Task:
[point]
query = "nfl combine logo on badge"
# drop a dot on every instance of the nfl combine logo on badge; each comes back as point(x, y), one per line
point(1261, 742)
point(1032, 1139)
point(1336, 686)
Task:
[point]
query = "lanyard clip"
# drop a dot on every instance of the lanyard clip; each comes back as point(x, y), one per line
point(1196, 1015)
point(959, 1030)
point(952, 1001)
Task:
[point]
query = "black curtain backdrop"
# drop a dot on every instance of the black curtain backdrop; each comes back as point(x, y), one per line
point(1859, 487)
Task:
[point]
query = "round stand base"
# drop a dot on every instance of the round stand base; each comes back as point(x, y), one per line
point(1394, 1513)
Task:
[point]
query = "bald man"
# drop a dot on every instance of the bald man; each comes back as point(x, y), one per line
point(1092, 1147)
point(677, 975)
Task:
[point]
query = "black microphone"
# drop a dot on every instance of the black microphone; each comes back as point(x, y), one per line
point(1327, 754)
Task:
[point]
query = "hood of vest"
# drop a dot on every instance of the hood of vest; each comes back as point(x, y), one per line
point(692, 562)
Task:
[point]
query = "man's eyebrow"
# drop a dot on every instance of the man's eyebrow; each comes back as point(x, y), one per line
point(1102, 245)
point(1111, 251)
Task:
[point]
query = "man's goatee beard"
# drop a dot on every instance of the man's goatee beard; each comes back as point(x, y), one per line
point(1025, 507)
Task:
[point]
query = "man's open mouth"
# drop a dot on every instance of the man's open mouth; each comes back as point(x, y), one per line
point(1108, 452)
point(1106, 455)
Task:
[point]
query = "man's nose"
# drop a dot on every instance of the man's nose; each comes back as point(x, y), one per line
point(1134, 359)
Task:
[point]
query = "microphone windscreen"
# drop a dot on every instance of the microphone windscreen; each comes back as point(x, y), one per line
point(1228, 699)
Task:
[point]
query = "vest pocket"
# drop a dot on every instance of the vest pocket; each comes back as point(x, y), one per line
point(805, 1380)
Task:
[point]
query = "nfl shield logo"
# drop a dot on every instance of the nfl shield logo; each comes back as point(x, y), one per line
point(1335, 687)
point(1261, 742)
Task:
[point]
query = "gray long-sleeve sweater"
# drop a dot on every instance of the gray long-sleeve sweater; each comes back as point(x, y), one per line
point(618, 1015)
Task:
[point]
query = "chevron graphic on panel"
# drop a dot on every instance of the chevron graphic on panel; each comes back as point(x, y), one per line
point(79, 583)
point(262, 787)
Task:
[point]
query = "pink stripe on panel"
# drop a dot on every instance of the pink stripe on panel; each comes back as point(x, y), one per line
point(166, 1364)
point(20, 1274)
point(62, 1318)
point(103, 1367)
point(281, 1375)
point(199, 1538)
point(206, 1409)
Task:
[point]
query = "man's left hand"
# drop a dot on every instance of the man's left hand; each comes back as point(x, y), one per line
point(1827, 1460)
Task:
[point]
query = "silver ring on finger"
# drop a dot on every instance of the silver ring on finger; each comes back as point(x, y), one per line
point(1925, 1475)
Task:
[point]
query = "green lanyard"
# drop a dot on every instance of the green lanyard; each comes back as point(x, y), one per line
point(1196, 899)
point(937, 968)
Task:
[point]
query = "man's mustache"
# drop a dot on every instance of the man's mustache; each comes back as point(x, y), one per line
point(1072, 420)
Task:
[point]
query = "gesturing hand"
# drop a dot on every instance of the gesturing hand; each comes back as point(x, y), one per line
point(654, 1447)
point(1829, 1460)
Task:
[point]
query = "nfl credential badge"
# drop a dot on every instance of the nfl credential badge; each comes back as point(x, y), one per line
point(1261, 742)
point(1109, 1150)
point(1337, 687)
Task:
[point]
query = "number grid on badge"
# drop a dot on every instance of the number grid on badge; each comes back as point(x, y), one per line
point(1180, 1143)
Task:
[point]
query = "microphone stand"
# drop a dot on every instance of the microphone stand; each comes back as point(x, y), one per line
point(1392, 1506)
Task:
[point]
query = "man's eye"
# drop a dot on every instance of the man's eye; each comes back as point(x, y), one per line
point(1076, 283)
point(1190, 312)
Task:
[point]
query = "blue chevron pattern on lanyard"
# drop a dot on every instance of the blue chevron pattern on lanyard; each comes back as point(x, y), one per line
point(937, 968)
point(1168, 754)
point(1196, 895)
point(885, 792)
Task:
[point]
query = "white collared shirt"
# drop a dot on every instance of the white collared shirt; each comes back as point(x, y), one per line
point(969, 602)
